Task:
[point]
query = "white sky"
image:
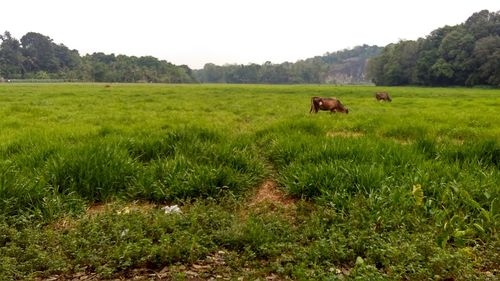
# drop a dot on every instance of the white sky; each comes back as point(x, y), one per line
point(195, 32)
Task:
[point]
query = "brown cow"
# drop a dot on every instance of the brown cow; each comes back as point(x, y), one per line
point(384, 96)
point(331, 104)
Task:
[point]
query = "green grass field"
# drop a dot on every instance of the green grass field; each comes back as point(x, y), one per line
point(407, 190)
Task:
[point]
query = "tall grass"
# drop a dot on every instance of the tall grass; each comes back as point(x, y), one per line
point(401, 190)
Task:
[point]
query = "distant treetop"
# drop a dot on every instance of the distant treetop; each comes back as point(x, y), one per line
point(467, 54)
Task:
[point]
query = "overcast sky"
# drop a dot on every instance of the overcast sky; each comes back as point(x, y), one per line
point(195, 32)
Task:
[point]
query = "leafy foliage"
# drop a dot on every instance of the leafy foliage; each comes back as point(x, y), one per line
point(467, 54)
point(36, 56)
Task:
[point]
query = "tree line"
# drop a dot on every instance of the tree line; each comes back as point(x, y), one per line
point(342, 67)
point(36, 56)
point(466, 54)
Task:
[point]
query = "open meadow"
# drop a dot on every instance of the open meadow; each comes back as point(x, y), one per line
point(406, 190)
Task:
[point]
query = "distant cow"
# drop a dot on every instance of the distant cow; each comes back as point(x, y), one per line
point(383, 96)
point(331, 104)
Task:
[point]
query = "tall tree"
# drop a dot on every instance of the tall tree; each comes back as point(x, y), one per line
point(11, 57)
point(39, 53)
point(456, 49)
point(486, 59)
point(66, 58)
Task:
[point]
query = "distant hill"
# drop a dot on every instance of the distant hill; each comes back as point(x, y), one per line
point(347, 66)
point(341, 67)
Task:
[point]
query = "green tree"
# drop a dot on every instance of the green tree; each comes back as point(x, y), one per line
point(486, 59)
point(11, 57)
point(396, 65)
point(424, 63)
point(39, 52)
point(67, 59)
point(442, 73)
point(456, 49)
point(375, 68)
point(213, 74)
point(483, 24)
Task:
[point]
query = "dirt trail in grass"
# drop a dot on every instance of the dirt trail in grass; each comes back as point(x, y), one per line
point(268, 199)
point(269, 192)
point(344, 134)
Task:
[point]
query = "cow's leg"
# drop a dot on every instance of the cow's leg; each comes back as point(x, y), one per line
point(314, 105)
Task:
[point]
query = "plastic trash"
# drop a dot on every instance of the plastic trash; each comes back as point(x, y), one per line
point(172, 209)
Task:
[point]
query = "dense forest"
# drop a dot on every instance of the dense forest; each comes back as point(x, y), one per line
point(36, 56)
point(342, 67)
point(467, 54)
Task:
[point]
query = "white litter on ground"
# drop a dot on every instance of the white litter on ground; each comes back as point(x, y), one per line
point(172, 209)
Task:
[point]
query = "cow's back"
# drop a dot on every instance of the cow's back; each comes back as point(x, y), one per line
point(329, 103)
point(382, 96)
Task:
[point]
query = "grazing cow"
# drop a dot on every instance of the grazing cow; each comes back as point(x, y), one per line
point(383, 96)
point(331, 104)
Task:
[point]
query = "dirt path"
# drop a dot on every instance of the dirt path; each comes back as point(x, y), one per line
point(268, 192)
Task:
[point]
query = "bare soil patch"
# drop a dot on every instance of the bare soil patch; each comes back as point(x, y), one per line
point(135, 206)
point(66, 223)
point(402, 141)
point(455, 141)
point(344, 134)
point(268, 192)
point(270, 200)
